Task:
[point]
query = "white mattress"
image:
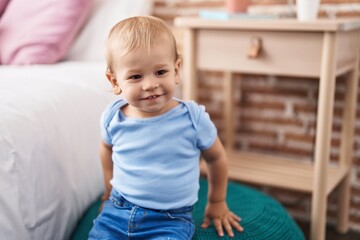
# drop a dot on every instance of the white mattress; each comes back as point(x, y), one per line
point(49, 134)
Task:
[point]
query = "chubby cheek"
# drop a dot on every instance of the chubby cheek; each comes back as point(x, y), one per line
point(171, 87)
point(130, 94)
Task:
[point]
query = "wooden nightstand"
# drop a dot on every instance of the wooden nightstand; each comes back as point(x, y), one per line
point(321, 49)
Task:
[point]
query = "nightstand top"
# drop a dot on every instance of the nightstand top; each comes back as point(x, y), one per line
point(322, 24)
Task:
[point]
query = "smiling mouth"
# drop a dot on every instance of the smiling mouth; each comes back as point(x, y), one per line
point(152, 97)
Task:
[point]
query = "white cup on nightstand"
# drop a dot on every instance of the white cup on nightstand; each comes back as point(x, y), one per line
point(307, 10)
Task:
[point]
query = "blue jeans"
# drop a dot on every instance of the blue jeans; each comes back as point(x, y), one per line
point(121, 219)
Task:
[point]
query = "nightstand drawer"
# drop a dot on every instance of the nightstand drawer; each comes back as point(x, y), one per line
point(282, 53)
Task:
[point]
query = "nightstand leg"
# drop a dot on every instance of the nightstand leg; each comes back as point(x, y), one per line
point(344, 205)
point(346, 148)
point(229, 109)
point(323, 137)
point(190, 83)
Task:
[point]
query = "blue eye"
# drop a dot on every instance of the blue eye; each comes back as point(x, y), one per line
point(135, 77)
point(161, 72)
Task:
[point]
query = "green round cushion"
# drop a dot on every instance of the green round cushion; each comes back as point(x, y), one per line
point(263, 218)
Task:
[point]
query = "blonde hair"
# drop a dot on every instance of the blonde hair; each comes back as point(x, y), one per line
point(133, 33)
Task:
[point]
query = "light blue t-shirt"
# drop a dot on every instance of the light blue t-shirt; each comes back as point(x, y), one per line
point(156, 160)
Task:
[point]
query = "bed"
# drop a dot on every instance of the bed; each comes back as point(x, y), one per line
point(50, 171)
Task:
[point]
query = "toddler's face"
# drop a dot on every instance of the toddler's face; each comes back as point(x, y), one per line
point(148, 80)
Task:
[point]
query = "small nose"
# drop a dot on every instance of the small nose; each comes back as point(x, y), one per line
point(150, 84)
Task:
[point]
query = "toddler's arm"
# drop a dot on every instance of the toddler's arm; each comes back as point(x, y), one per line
point(107, 165)
point(217, 209)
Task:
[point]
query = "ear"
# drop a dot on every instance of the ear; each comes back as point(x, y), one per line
point(114, 83)
point(177, 71)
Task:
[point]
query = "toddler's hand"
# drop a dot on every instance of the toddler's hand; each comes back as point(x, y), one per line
point(104, 197)
point(222, 217)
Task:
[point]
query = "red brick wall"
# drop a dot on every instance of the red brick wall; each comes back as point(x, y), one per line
point(275, 114)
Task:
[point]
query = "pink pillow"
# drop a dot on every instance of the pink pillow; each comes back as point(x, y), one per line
point(41, 31)
point(3, 4)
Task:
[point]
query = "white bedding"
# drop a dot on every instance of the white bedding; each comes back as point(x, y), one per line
point(49, 134)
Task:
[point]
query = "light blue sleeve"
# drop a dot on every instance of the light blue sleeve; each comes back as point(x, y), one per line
point(104, 123)
point(206, 130)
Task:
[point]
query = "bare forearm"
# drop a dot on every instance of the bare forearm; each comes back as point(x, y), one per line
point(216, 161)
point(217, 176)
point(217, 209)
point(107, 166)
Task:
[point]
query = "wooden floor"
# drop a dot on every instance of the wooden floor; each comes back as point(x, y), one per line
point(331, 233)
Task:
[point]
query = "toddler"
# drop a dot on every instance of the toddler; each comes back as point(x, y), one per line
point(152, 142)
